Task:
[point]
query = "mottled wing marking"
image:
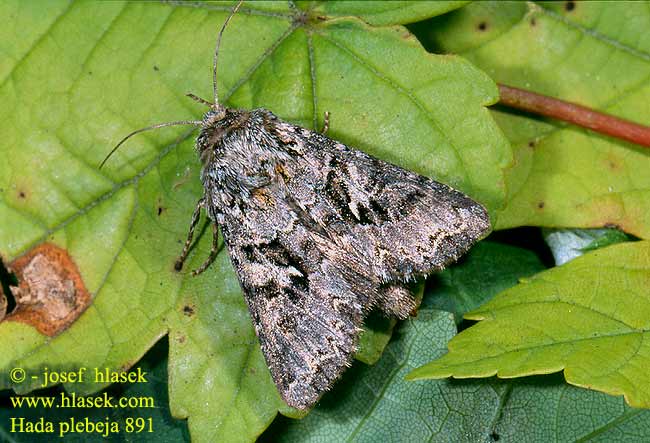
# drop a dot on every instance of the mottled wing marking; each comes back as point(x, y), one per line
point(306, 310)
point(400, 223)
point(319, 234)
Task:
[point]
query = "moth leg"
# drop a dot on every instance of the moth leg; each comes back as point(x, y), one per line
point(213, 252)
point(186, 248)
point(326, 122)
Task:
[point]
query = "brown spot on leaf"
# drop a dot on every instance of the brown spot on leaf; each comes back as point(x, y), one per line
point(613, 162)
point(188, 310)
point(541, 205)
point(570, 6)
point(533, 22)
point(22, 194)
point(159, 207)
point(50, 294)
point(482, 26)
point(532, 144)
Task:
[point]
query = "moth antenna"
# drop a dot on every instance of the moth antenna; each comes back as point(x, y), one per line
point(216, 51)
point(148, 128)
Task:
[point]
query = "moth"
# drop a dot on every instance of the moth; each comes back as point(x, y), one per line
point(318, 234)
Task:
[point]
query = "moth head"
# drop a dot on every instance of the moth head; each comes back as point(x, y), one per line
point(217, 123)
point(216, 113)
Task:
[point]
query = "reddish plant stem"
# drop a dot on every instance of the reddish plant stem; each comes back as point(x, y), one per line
point(576, 114)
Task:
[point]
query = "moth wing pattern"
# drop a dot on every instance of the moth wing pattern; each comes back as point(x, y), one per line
point(319, 234)
point(307, 311)
point(402, 224)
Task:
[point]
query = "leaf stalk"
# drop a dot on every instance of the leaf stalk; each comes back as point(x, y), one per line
point(576, 114)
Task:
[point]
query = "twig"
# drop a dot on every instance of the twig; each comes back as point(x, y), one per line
point(576, 114)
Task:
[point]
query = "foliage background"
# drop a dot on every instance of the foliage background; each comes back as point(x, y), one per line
point(78, 76)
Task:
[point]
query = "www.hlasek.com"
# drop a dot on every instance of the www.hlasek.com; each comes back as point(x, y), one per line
point(76, 425)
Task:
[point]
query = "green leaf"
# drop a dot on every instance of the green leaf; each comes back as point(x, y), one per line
point(567, 244)
point(593, 53)
point(486, 270)
point(382, 12)
point(544, 408)
point(588, 318)
point(609, 237)
point(81, 78)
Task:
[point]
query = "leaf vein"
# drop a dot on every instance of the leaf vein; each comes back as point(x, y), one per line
point(403, 91)
point(36, 43)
